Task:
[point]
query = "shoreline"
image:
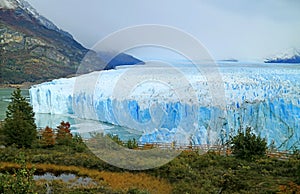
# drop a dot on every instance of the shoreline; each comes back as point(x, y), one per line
point(25, 85)
point(4, 86)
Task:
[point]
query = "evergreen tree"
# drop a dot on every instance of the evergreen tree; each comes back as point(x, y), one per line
point(132, 144)
point(19, 127)
point(2, 136)
point(248, 146)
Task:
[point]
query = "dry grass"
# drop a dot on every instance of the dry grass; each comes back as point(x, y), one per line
point(118, 181)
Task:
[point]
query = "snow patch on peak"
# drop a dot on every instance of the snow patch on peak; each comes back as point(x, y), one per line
point(26, 7)
point(291, 55)
point(7, 4)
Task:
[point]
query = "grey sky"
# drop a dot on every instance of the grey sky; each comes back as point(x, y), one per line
point(242, 29)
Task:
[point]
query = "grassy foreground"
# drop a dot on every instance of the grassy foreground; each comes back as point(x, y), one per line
point(103, 181)
point(188, 173)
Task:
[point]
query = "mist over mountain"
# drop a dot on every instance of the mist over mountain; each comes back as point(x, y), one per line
point(33, 49)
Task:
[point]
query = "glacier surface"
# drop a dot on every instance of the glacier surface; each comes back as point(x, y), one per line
point(168, 106)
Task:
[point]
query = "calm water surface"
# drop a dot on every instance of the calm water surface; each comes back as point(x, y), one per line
point(43, 120)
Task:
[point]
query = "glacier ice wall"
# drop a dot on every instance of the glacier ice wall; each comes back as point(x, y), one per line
point(266, 98)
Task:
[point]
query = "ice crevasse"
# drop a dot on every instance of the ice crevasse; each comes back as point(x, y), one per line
point(167, 107)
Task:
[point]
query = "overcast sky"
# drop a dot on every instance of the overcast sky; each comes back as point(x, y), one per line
point(241, 29)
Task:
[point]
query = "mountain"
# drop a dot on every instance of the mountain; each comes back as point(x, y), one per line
point(33, 49)
point(118, 60)
point(290, 56)
point(25, 6)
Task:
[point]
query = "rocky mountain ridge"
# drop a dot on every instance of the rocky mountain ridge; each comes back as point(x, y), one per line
point(26, 7)
point(33, 49)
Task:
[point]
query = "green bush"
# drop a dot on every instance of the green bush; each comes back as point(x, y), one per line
point(21, 181)
point(248, 146)
point(116, 139)
point(78, 145)
point(298, 174)
point(132, 144)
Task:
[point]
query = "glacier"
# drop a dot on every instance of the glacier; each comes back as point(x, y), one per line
point(167, 106)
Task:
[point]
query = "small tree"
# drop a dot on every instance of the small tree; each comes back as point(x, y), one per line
point(78, 144)
point(247, 145)
point(132, 144)
point(64, 136)
point(48, 139)
point(116, 139)
point(19, 127)
point(2, 136)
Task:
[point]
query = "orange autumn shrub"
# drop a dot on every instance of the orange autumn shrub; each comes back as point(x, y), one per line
point(291, 188)
point(47, 138)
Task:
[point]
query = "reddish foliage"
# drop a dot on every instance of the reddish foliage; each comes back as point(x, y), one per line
point(48, 137)
point(63, 135)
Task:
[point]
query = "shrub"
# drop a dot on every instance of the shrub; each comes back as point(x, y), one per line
point(289, 188)
point(64, 136)
point(116, 139)
point(247, 145)
point(78, 145)
point(132, 144)
point(47, 138)
point(298, 174)
point(20, 182)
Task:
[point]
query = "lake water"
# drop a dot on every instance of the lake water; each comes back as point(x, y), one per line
point(43, 120)
point(67, 178)
point(5, 98)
